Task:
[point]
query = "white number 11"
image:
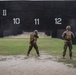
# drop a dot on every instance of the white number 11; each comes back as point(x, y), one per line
point(4, 12)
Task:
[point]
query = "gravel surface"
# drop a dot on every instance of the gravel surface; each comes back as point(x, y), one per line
point(33, 65)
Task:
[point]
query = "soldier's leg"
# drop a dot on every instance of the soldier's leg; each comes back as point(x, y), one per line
point(30, 48)
point(64, 53)
point(70, 50)
point(36, 48)
point(65, 48)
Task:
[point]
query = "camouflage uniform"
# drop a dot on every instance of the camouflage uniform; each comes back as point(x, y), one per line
point(68, 41)
point(33, 42)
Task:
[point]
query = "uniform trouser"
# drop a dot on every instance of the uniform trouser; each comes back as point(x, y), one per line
point(30, 48)
point(68, 44)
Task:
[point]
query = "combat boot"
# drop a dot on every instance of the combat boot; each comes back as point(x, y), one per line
point(27, 54)
point(38, 55)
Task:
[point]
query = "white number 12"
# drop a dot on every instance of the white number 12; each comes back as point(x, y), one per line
point(58, 20)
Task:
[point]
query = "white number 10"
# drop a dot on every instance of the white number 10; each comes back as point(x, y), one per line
point(16, 20)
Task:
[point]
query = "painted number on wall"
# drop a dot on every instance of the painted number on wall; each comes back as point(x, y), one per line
point(36, 21)
point(58, 20)
point(16, 20)
point(4, 12)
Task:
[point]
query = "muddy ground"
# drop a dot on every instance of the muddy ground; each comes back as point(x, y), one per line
point(33, 65)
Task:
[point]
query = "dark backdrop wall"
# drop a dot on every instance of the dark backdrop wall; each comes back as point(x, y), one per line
point(49, 16)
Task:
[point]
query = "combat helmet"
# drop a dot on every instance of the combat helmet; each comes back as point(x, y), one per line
point(68, 28)
point(36, 31)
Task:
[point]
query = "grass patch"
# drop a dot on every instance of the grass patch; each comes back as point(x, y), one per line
point(14, 46)
point(17, 46)
point(51, 45)
point(10, 46)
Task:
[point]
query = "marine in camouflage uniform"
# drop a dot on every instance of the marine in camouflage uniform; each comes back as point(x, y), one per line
point(68, 36)
point(33, 42)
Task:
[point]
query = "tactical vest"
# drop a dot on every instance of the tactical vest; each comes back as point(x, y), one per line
point(68, 35)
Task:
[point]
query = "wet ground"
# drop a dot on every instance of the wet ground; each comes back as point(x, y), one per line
point(33, 65)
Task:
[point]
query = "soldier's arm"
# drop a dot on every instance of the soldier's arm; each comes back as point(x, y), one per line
point(73, 36)
point(64, 34)
point(31, 38)
point(36, 35)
